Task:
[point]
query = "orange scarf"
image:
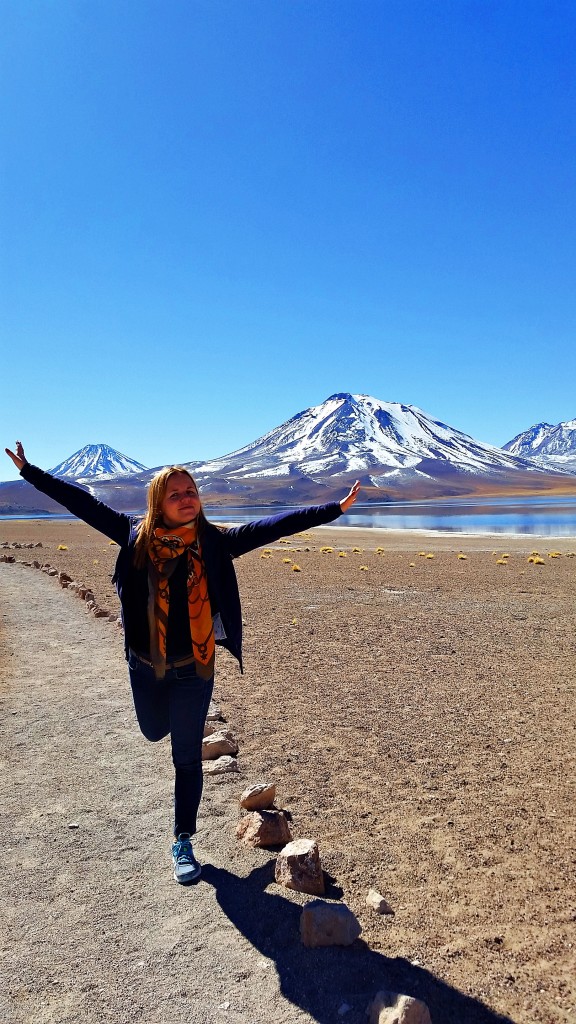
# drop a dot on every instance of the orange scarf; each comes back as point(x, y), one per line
point(165, 547)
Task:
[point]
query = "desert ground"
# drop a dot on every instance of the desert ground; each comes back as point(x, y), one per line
point(413, 700)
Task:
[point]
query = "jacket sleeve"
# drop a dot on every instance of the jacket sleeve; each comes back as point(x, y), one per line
point(240, 539)
point(80, 503)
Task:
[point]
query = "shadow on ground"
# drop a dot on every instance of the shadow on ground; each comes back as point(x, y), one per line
point(319, 981)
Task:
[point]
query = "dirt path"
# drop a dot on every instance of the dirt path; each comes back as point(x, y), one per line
point(94, 928)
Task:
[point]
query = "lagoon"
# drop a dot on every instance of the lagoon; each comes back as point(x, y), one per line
point(543, 516)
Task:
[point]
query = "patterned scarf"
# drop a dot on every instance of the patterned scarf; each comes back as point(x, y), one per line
point(165, 547)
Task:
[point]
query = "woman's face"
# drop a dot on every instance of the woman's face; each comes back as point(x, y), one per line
point(180, 503)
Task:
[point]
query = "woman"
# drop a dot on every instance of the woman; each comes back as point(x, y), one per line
point(179, 596)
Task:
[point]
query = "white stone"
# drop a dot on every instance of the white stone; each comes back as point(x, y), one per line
point(221, 765)
point(298, 867)
point(263, 828)
point(258, 797)
point(217, 744)
point(377, 902)
point(392, 1008)
point(328, 924)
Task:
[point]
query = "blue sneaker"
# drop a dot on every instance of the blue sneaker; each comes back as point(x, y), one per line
point(186, 867)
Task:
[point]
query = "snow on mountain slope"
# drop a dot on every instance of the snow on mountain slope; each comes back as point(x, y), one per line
point(359, 434)
point(96, 462)
point(551, 446)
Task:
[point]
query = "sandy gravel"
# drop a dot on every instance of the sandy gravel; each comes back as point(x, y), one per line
point(419, 721)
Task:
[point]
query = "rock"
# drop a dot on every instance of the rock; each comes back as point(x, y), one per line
point(113, 617)
point(89, 596)
point(378, 903)
point(64, 577)
point(214, 713)
point(52, 572)
point(298, 867)
point(38, 544)
point(64, 584)
point(8, 558)
point(36, 564)
point(259, 796)
point(328, 924)
point(263, 828)
point(221, 765)
point(217, 744)
point(391, 1008)
point(101, 613)
point(209, 728)
point(90, 605)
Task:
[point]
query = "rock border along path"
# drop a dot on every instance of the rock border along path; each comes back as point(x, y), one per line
point(95, 929)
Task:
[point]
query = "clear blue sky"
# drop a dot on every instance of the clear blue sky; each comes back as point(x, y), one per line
point(216, 213)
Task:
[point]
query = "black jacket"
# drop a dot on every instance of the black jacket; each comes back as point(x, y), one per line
point(219, 548)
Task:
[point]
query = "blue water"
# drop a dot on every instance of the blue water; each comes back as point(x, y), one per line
point(541, 516)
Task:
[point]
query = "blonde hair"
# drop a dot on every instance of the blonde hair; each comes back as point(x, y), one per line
point(156, 492)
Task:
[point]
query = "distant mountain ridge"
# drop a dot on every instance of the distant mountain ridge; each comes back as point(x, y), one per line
point(552, 445)
point(96, 462)
point(397, 451)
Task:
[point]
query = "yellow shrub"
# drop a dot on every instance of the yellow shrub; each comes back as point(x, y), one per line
point(412, 565)
point(501, 561)
point(287, 561)
point(357, 551)
point(327, 550)
point(364, 568)
point(430, 555)
point(62, 547)
point(296, 568)
point(342, 554)
point(462, 557)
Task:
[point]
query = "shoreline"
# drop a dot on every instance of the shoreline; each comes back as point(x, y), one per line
point(403, 533)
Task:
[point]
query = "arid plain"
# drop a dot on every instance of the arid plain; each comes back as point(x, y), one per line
point(413, 700)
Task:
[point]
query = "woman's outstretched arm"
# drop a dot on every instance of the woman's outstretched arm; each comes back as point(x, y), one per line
point(240, 539)
point(77, 500)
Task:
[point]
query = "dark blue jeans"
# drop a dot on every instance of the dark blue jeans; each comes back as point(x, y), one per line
point(177, 705)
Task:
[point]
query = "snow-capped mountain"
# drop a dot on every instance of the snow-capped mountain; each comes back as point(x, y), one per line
point(95, 462)
point(358, 434)
point(553, 446)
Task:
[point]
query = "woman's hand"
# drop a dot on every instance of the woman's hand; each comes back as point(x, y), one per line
point(350, 497)
point(18, 458)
